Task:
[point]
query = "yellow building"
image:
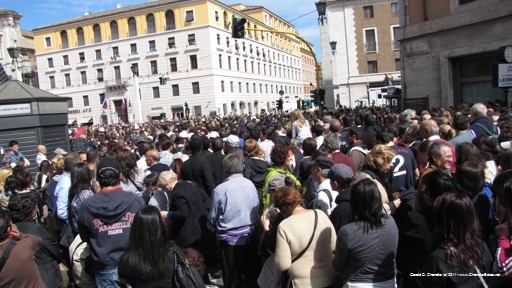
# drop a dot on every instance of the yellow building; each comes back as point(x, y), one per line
point(168, 53)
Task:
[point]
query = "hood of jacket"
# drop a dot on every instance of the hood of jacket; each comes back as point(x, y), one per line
point(110, 207)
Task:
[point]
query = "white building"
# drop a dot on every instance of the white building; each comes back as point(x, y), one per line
point(90, 59)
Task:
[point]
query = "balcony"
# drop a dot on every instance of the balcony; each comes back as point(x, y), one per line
point(370, 47)
point(152, 53)
point(82, 64)
point(117, 84)
point(133, 55)
point(98, 61)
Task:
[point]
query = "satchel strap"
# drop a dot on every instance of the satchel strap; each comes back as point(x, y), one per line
point(6, 253)
point(310, 239)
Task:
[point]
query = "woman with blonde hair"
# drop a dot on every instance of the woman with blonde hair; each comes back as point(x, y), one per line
point(255, 168)
point(300, 126)
point(166, 182)
point(376, 164)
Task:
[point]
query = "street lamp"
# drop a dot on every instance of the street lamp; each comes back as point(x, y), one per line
point(14, 53)
point(135, 72)
point(320, 8)
point(333, 46)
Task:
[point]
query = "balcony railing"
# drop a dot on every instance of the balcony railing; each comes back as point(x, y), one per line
point(121, 82)
point(370, 47)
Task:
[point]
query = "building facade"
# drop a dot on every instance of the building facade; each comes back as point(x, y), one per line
point(359, 50)
point(23, 67)
point(173, 57)
point(450, 49)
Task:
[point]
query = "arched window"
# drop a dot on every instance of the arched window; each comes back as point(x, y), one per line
point(64, 39)
point(226, 23)
point(150, 22)
point(132, 27)
point(97, 33)
point(80, 36)
point(114, 31)
point(170, 24)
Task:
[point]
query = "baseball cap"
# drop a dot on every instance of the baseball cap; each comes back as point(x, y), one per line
point(108, 166)
point(232, 139)
point(276, 181)
point(141, 138)
point(339, 172)
point(214, 134)
point(60, 151)
point(506, 145)
point(324, 162)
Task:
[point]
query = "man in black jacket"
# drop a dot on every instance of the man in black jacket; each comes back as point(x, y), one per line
point(197, 168)
point(341, 176)
point(105, 220)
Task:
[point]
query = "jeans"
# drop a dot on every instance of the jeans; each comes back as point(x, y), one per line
point(107, 278)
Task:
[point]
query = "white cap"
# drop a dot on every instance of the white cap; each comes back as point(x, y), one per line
point(183, 134)
point(232, 139)
point(214, 134)
point(506, 145)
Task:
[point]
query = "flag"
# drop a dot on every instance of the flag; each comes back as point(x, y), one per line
point(123, 104)
point(105, 104)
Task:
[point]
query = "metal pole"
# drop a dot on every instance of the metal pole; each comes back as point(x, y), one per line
point(137, 98)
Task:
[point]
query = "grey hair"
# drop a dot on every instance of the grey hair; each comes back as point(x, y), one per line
point(479, 109)
point(233, 164)
point(436, 150)
point(406, 115)
point(332, 142)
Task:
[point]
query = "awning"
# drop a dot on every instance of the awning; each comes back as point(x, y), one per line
point(86, 120)
point(155, 113)
point(71, 121)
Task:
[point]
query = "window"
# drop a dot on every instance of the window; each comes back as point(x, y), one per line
point(81, 57)
point(245, 65)
point(80, 36)
point(65, 58)
point(154, 68)
point(174, 64)
point(135, 68)
point(191, 39)
point(86, 100)
point(370, 43)
point(152, 46)
point(398, 65)
point(372, 67)
point(189, 16)
point(99, 75)
point(64, 39)
point(114, 32)
point(83, 77)
point(218, 39)
point(239, 87)
point(150, 22)
point(195, 88)
point(133, 49)
point(222, 89)
point(70, 103)
point(220, 61)
point(102, 97)
point(97, 33)
point(237, 64)
point(169, 20)
point(247, 87)
point(47, 42)
point(394, 9)
point(394, 43)
point(229, 62)
point(368, 12)
point(227, 41)
point(52, 82)
point(156, 92)
point(254, 88)
point(252, 67)
point(175, 90)
point(237, 47)
point(171, 42)
point(217, 16)
point(261, 88)
point(193, 62)
point(98, 54)
point(132, 27)
point(50, 62)
point(232, 86)
point(115, 52)
point(67, 77)
point(461, 2)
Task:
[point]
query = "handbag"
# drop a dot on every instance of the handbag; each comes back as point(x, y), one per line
point(185, 276)
point(371, 256)
point(284, 280)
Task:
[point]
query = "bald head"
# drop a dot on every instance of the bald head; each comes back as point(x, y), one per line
point(152, 157)
point(41, 149)
point(428, 128)
point(335, 126)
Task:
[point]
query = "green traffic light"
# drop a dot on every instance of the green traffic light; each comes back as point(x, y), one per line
point(238, 28)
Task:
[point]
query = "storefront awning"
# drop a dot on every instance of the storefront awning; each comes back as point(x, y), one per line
point(155, 113)
point(71, 121)
point(86, 120)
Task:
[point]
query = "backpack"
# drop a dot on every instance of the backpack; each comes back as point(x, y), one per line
point(326, 191)
point(185, 276)
point(51, 200)
point(488, 192)
point(493, 134)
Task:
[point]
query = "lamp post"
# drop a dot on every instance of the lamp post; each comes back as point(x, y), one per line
point(135, 72)
point(14, 53)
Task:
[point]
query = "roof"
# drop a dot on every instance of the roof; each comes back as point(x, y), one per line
point(18, 91)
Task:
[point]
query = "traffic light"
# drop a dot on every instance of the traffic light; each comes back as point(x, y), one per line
point(279, 104)
point(314, 96)
point(162, 115)
point(238, 28)
point(163, 80)
point(321, 97)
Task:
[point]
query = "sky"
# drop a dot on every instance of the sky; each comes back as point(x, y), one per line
point(39, 13)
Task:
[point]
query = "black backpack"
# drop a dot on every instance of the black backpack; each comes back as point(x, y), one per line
point(185, 276)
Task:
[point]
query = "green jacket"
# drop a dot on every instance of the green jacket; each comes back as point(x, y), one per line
point(271, 171)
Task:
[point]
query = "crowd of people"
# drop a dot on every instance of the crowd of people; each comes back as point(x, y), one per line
point(351, 198)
